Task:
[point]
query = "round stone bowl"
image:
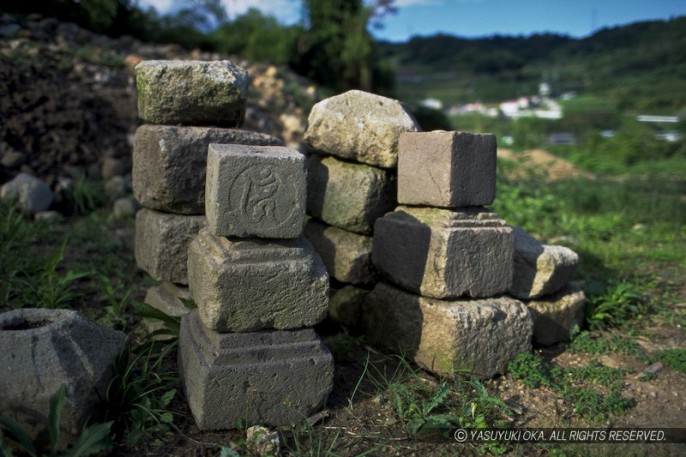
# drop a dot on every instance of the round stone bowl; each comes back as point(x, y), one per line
point(43, 349)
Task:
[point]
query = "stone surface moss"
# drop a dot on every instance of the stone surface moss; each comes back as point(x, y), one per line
point(192, 92)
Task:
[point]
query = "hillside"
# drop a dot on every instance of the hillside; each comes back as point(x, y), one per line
point(641, 67)
point(67, 101)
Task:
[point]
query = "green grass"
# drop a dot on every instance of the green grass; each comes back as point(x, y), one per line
point(593, 343)
point(137, 399)
point(430, 409)
point(673, 358)
point(630, 235)
point(594, 391)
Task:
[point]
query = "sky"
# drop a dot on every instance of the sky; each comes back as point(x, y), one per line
point(479, 18)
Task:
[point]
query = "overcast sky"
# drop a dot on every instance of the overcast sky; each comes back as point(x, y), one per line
point(474, 18)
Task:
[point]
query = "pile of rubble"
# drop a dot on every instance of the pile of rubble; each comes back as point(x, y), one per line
point(68, 105)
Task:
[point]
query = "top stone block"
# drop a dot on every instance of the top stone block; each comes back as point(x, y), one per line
point(359, 126)
point(192, 92)
point(446, 169)
point(255, 191)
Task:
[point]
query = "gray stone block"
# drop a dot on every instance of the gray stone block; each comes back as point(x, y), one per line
point(268, 378)
point(192, 92)
point(444, 254)
point(446, 169)
point(477, 336)
point(255, 191)
point(169, 298)
point(346, 304)
point(348, 195)
point(346, 255)
point(243, 285)
point(169, 164)
point(161, 243)
point(540, 269)
point(555, 315)
point(41, 350)
point(359, 126)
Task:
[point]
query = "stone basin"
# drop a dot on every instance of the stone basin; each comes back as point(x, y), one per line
point(43, 349)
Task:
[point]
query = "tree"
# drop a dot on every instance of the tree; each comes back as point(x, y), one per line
point(336, 48)
point(256, 37)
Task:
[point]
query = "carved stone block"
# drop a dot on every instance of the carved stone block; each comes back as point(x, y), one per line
point(243, 285)
point(255, 191)
point(268, 378)
point(445, 254)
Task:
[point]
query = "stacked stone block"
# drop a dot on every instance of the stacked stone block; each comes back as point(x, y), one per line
point(448, 263)
point(186, 106)
point(248, 354)
point(542, 275)
point(351, 183)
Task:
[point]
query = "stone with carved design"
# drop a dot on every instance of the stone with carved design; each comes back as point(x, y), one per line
point(255, 191)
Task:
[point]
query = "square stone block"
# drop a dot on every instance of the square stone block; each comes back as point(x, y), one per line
point(161, 243)
point(169, 164)
point(348, 195)
point(255, 191)
point(347, 255)
point(192, 92)
point(267, 378)
point(447, 336)
point(555, 315)
point(445, 254)
point(243, 285)
point(446, 169)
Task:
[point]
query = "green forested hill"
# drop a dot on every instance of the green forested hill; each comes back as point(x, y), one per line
point(640, 67)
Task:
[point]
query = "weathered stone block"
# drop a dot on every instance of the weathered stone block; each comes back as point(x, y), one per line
point(446, 169)
point(346, 304)
point(348, 195)
point(192, 92)
point(255, 191)
point(243, 285)
point(169, 164)
point(359, 126)
point(444, 254)
point(479, 336)
point(161, 243)
point(346, 255)
point(268, 378)
point(43, 349)
point(555, 315)
point(540, 269)
point(169, 298)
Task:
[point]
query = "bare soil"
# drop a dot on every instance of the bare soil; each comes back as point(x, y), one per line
point(554, 168)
